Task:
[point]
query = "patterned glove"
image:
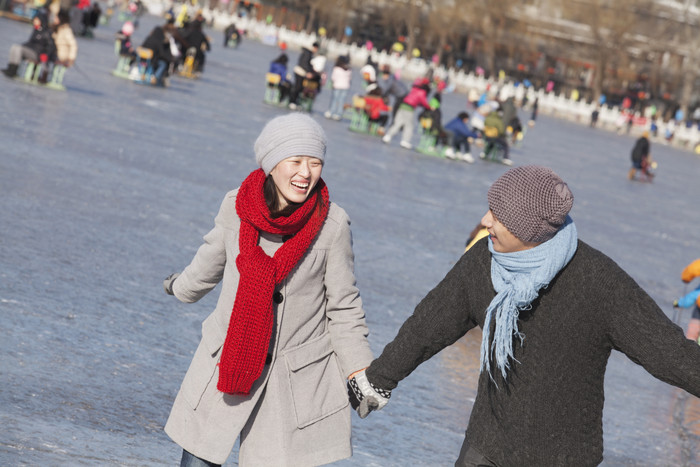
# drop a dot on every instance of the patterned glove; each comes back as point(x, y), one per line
point(168, 283)
point(364, 396)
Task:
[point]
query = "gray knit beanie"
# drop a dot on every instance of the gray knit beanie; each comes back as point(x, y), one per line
point(531, 202)
point(294, 134)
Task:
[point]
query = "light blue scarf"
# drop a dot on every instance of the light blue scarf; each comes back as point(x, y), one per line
point(517, 278)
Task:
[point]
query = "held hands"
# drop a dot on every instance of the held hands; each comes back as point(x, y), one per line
point(364, 396)
point(168, 283)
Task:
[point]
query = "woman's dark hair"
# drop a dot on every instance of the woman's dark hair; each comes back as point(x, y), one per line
point(463, 115)
point(283, 59)
point(273, 204)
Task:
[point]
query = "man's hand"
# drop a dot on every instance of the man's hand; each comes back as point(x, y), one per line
point(365, 397)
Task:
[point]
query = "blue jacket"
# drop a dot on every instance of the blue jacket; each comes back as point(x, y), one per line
point(279, 69)
point(459, 128)
point(688, 300)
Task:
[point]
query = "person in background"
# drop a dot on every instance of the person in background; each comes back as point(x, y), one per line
point(38, 48)
point(341, 77)
point(303, 70)
point(279, 67)
point(458, 135)
point(63, 37)
point(376, 108)
point(392, 88)
point(495, 135)
point(417, 97)
point(691, 299)
point(641, 159)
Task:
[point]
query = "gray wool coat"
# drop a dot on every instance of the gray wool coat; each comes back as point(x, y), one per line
point(297, 412)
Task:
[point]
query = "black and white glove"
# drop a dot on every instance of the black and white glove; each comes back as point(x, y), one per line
point(364, 396)
point(168, 283)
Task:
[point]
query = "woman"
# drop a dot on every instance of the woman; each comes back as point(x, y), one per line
point(288, 329)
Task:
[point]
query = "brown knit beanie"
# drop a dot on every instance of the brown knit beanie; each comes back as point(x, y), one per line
point(531, 202)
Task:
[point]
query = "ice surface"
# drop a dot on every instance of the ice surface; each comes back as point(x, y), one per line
point(108, 187)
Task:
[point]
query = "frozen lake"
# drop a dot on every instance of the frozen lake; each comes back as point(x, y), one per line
point(108, 187)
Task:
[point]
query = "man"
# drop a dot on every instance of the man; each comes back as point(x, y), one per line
point(303, 70)
point(552, 309)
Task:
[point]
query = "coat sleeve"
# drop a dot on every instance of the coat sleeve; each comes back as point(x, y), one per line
point(207, 267)
point(346, 317)
point(439, 320)
point(637, 327)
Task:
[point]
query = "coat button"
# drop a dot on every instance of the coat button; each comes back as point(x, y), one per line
point(277, 297)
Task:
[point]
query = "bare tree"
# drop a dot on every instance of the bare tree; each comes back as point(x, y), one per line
point(611, 26)
point(690, 46)
point(489, 20)
point(445, 19)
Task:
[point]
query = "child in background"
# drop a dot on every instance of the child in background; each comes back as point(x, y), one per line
point(404, 117)
point(341, 77)
point(126, 48)
point(691, 299)
point(458, 134)
point(66, 45)
point(376, 108)
point(495, 134)
point(279, 67)
point(38, 48)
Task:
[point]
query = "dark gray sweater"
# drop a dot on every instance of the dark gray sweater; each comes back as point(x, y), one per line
point(550, 410)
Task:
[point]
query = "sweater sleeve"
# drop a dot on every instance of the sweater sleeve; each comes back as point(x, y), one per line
point(639, 328)
point(441, 318)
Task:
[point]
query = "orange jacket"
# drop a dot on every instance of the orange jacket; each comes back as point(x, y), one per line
point(691, 271)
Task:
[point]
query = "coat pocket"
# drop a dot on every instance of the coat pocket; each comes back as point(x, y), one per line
point(203, 370)
point(317, 386)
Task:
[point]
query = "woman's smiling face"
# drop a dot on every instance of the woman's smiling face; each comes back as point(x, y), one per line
point(295, 177)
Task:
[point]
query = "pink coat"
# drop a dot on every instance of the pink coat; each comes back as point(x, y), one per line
point(417, 96)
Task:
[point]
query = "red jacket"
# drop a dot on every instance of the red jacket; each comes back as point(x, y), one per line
point(374, 106)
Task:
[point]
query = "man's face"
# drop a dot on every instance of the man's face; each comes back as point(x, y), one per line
point(503, 240)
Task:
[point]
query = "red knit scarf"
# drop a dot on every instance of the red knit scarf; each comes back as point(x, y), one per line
point(250, 328)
